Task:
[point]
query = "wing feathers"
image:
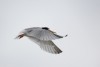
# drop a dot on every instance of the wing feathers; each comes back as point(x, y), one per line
point(43, 37)
point(47, 46)
point(42, 34)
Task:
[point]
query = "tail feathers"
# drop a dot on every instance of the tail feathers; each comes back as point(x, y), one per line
point(65, 35)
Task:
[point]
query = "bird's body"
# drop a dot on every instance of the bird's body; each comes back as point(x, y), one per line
point(43, 37)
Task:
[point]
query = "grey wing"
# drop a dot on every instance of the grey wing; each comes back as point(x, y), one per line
point(47, 46)
point(43, 34)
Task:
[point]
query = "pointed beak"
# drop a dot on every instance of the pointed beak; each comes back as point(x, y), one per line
point(19, 36)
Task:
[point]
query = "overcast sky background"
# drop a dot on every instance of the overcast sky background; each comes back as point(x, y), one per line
point(80, 19)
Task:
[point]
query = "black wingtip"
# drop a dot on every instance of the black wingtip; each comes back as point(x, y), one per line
point(60, 51)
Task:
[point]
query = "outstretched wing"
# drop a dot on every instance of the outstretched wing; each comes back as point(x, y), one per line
point(42, 34)
point(48, 46)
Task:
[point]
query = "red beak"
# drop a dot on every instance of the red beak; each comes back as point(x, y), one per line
point(19, 36)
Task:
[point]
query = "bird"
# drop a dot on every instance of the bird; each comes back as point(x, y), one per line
point(42, 36)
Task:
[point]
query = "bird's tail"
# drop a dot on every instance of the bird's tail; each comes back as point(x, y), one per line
point(66, 35)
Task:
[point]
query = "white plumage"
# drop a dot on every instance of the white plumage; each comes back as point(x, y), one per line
point(43, 37)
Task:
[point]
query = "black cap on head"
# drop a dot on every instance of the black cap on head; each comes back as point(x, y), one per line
point(46, 28)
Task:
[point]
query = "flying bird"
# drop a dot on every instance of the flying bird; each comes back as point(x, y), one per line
point(42, 36)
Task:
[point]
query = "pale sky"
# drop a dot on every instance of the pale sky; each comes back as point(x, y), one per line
point(80, 19)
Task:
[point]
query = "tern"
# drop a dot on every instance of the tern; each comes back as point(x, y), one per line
point(42, 36)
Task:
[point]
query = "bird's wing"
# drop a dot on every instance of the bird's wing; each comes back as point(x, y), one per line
point(43, 34)
point(48, 46)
